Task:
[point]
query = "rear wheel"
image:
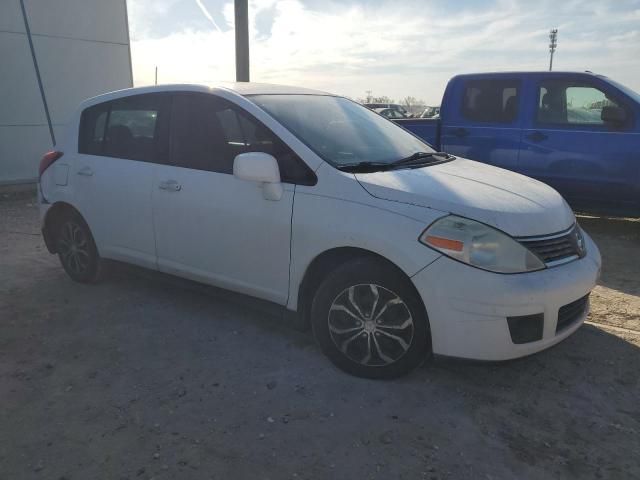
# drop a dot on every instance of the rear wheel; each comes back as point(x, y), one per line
point(369, 320)
point(77, 250)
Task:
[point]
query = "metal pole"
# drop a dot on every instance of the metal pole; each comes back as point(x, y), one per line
point(156, 75)
point(126, 24)
point(35, 65)
point(553, 43)
point(242, 40)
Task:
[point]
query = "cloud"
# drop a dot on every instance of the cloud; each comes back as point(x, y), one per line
point(393, 48)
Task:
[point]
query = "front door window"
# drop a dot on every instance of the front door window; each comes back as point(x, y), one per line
point(563, 103)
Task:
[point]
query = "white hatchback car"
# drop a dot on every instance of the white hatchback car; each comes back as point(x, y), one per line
point(389, 250)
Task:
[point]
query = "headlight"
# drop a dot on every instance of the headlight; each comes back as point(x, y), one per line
point(479, 245)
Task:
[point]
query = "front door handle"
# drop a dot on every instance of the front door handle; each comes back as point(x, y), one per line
point(85, 171)
point(170, 185)
point(537, 136)
point(460, 132)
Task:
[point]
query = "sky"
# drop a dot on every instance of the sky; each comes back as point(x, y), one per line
point(389, 47)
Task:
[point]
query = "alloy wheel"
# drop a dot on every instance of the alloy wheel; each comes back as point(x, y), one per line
point(370, 324)
point(74, 248)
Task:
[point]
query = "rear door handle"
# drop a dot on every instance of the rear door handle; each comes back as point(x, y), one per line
point(85, 172)
point(460, 132)
point(170, 185)
point(537, 136)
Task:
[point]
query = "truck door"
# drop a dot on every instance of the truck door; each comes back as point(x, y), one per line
point(572, 144)
point(481, 120)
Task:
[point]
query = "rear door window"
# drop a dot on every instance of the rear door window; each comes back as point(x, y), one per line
point(133, 128)
point(93, 123)
point(491, 101)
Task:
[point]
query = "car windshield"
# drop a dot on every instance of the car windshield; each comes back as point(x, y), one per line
point(340, 131)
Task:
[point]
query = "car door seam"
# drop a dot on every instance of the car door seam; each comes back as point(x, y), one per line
point(293, 204)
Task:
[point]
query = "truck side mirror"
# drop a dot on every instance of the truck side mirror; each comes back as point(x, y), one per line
point(613, 114)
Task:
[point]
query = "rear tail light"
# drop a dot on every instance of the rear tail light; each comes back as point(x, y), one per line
point(48, 159)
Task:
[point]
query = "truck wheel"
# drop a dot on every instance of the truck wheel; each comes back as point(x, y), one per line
point(370, 322)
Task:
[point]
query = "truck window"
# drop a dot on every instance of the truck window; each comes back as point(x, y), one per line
point(571, 104)
point(491, 101)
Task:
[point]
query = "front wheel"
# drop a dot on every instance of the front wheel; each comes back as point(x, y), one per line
point(77, 250)
point(369, 320)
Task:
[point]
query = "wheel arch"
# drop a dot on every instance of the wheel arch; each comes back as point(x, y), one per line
point(327, 261)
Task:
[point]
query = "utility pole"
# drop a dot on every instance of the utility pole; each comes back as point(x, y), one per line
point(242, 40)
point(37, 70)
point(553, 44)
point(156, 75)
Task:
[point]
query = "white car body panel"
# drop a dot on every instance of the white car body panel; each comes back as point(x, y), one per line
point(221, 230)
point(343, 214)
point(469, 306)
point(488, 194)
point(115, 200)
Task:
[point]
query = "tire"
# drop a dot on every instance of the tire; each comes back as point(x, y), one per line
point(369, 320)
point(77, 250)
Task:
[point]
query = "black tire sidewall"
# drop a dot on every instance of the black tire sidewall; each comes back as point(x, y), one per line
point(92, 273)
point(361, 271)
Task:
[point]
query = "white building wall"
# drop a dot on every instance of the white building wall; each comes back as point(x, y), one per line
point(82, 50)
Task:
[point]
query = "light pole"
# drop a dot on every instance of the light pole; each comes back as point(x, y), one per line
point(242, 40)
point(553, 43)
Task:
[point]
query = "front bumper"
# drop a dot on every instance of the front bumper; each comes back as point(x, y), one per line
point(468, 307)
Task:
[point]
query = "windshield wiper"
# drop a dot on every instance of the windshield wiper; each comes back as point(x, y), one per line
point(420, 158)
point(364, 167)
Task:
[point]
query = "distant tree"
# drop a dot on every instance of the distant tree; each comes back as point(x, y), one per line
point(382, 99)
point(409, 102)
point(370, 98)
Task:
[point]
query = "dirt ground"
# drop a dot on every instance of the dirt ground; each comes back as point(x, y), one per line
point(141, 377)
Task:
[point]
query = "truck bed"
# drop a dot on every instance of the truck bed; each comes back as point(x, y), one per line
point(427, 129)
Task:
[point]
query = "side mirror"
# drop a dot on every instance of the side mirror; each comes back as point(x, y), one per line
point(262, 168)
point(613, 114)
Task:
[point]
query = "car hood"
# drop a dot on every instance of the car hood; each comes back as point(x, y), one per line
point(513, 203)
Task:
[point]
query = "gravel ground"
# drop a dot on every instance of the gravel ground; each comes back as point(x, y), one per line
point(144, 376)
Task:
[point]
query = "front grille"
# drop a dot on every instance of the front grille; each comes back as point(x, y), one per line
point(571, 313)
point(558, 248)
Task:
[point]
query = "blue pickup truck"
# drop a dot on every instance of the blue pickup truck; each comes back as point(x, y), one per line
point(578, 132)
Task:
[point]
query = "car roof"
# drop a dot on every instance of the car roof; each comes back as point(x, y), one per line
point(535, 73)
point(240, 88)
point(252, 88)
